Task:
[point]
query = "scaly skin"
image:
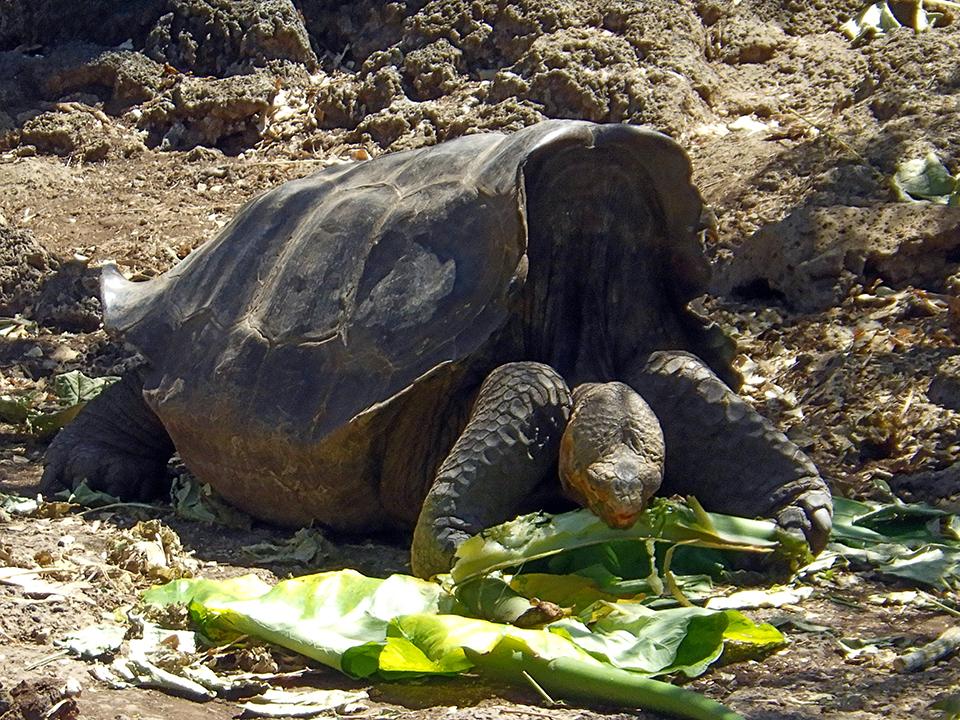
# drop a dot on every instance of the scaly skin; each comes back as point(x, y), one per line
point(726, 454)
point(117, 445)
point(507, 448)
point(611, 454)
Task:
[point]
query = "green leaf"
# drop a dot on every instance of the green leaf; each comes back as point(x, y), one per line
point(444, 639)
point(14, 409)
point(193, 500)
point(74, 387)
point(540, 535)
point(514, 661)
point(308, 546)
point(913, 541)
point(73, 391)
point(320, 616)
point(866, 523)
point(45, 424)
point(568, 591)
point(925, 179)
point(83, 495)
point(686, 639)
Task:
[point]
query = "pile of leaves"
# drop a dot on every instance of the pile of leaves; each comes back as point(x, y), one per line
point(603, 613)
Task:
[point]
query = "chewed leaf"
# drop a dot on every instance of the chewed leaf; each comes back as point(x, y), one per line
point(531, 537)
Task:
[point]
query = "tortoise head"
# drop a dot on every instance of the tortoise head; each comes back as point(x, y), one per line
point(611, 454)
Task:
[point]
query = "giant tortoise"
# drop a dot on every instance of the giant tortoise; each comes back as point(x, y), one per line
point(392, 343)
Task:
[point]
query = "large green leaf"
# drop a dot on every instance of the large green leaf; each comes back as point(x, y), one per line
point(320, 616)
point(556, 664)
point(532, 537)
point(655, 642)
point(915, 541)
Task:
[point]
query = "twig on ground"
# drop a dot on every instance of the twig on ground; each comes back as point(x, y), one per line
point(111, 506)
point(924, 656)
point(540, 691)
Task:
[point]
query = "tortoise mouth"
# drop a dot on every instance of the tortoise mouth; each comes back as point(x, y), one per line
point(621, 520)
point(620, 512)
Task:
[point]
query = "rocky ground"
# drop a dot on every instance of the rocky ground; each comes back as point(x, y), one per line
point(133, 135)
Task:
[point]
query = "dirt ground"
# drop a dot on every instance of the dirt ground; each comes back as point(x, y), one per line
point(133, 135)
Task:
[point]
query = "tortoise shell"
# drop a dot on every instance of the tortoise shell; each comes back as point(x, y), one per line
point(281, 351)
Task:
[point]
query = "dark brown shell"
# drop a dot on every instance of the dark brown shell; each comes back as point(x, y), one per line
point(328, 295)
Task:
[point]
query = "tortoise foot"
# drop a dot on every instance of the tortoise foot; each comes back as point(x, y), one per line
point(115, 445)
point(506, 450)
point(726, 454)
point(73, 461)
point(811, 516)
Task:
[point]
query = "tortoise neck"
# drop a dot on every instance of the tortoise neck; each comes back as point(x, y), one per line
point(598, 292)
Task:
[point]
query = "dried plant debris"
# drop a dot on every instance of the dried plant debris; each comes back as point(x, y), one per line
point(852, 385)
point(152, 551)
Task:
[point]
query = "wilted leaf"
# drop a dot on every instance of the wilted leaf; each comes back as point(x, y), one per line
point(745, 599)
point(19, 505)
point(15, 328)
point(925, 179)
point(300, 703)
point(308, 546)
point(879, 18)
point(93, 642)
point(193, 500)
point(83, 495)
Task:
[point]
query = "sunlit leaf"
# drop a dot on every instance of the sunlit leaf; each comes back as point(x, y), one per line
point(925, 179)
point(539, 535)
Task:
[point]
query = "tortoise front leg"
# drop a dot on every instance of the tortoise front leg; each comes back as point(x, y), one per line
point(722, 451)
point(509, 445)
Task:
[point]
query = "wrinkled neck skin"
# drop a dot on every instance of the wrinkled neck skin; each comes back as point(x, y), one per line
point(598, 297)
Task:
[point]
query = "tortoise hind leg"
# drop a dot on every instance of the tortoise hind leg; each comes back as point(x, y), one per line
point(508, 447)
point(116, 444)
point(726, 454)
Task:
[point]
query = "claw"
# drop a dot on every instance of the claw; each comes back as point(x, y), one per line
point(822, 522)
point(811, 514)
